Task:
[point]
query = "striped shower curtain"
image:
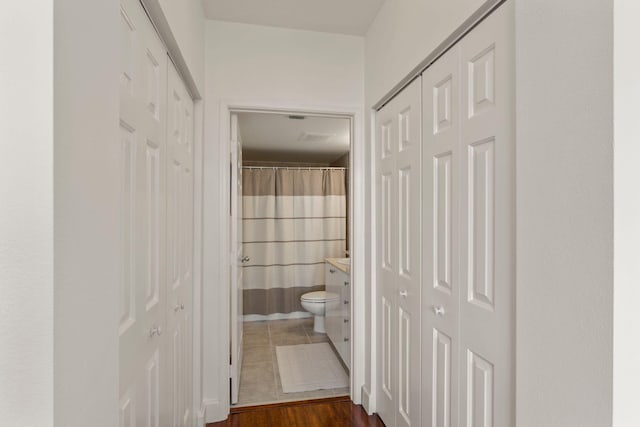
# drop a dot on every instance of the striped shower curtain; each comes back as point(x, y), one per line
point(292, 220)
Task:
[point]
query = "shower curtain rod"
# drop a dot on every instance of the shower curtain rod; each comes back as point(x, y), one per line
point(294, 167)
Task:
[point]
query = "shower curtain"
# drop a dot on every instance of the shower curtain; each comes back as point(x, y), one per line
point(292, 220)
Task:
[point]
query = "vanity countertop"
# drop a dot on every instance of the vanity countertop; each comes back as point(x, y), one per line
point(342, 267)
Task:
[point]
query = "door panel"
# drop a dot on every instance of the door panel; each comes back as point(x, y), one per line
point(468, 205)
point(487, 222)
point(398, 142)
point(179, 205)
point(237, 258)
point(440, 198)
point(143, 151)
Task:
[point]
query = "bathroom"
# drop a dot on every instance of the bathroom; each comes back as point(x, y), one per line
point(293, 326)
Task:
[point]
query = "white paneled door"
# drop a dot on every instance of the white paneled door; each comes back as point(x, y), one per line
point(179, 167)
point(398, 140)
point(156, 141)
point(440, 203)
point(143, 81)
point(237, 258)
point(468, 230)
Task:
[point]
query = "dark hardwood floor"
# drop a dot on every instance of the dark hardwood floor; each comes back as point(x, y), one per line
point(330, 412)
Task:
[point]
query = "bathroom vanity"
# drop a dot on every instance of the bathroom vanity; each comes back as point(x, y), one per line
point(338, 312)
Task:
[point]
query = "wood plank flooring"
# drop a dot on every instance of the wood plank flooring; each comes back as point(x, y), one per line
point(330, 412)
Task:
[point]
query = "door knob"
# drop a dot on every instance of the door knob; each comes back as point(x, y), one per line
point(245, 259)
point(439, 310)
point(176, 308)
point(155, 330)
point(404, 294)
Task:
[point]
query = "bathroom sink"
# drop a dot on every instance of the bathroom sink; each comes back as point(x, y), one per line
point(344, 261)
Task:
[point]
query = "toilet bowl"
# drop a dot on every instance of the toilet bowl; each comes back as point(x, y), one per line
point(315, 303)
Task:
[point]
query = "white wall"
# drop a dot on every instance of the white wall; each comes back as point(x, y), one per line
point(247, 64)
point(26, 214)
point(626, 370)
point(564, 161)
point(86, 212)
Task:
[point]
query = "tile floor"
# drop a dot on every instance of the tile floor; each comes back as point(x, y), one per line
point(259, 378)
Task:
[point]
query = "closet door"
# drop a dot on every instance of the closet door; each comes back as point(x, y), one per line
point(468, 230)
point(179, 248)
point(487, 226)
point(143, 83)
point(440, 233)
point(398, 233)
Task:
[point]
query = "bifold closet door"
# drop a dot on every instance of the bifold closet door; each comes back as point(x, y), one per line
point(180, 129)
point(398, 142)
point(469, 230)
point(143, 85)
point(440, 231)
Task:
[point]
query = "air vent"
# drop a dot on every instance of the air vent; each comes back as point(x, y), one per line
point(316, 137)
point(297, 117)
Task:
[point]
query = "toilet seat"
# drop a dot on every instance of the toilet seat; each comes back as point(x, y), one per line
point(319, 296)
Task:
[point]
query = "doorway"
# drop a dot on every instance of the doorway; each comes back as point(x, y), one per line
point(290, 275)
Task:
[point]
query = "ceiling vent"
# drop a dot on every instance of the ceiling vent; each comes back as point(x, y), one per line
point(297, 117)
point(316, 137)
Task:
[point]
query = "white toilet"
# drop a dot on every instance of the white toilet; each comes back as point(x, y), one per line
point(315, 302)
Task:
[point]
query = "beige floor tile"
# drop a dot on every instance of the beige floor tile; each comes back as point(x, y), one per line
point(258, 354)
point(317, 337)
point(289, 339)
point(255, 339)
point(257, 383)
point(288, 326)
point(260, 327)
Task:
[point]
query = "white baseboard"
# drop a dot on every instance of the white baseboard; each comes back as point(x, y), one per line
point(276, 316)
point(366, 395)
point(213, 411)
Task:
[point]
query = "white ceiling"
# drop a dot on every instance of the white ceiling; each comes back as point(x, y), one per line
point(277, 138)
point(330, 16)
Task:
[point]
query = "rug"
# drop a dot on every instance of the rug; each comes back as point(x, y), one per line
point(308, 367)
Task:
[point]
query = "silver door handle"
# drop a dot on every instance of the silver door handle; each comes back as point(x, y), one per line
point(155, 330)
point(176, 308)
point(404, 294)
point(331, 270)
point(245, 259)
point(346, 283)
point(439, 310)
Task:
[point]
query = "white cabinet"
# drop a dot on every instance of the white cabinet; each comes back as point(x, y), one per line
point(338, 311)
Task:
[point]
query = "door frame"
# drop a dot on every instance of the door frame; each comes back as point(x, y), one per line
point(357, 228)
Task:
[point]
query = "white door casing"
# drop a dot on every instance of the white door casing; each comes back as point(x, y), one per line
point(398, 140)
point(468, 230)
point(236, 257)
point(143, 83)
point(179, 207)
